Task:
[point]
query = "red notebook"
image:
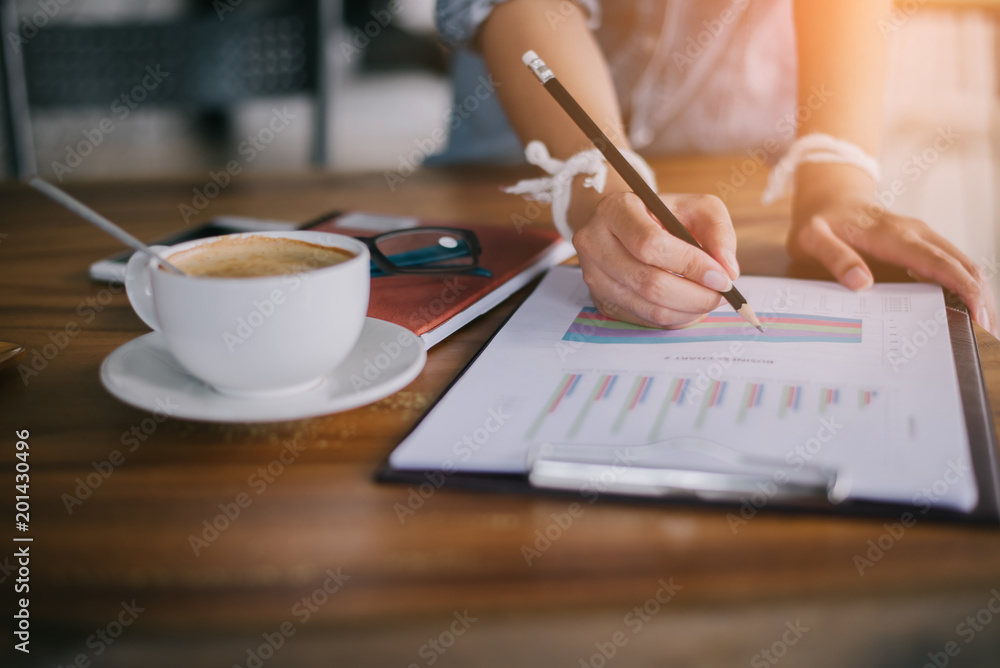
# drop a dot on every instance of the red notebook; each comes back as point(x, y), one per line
point(436, 305)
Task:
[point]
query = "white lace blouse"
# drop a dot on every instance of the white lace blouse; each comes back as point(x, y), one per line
point(692, 76)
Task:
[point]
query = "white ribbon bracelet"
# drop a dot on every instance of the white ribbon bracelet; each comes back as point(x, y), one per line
point(816, 147)
point(557, 188)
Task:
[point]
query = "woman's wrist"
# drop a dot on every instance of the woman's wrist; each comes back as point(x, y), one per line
point(820, 184)
point(586, 200)
point(576, 186)
point(816, 148)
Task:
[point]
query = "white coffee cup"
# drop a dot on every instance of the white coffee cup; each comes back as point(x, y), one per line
point(258, 336)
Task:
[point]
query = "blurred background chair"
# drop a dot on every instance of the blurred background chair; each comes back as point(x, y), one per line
point(201, 58)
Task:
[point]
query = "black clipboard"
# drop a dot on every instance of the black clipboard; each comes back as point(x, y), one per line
point(978, 422)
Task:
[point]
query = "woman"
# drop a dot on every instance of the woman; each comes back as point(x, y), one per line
point(709, 76)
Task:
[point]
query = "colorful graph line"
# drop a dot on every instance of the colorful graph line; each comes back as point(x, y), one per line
point(865, 397)
point(636, 396)
point(590, 326)
point(675, 395)
point(751, 399)
point(564, 389)
point(790, 397)
point(828, 397)
point(712, 398)
point(602, 390)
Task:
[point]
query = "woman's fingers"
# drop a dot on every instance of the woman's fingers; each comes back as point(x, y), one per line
point(941, 267)
point(835, 218)
point(927, 259)
point(619, 301)
point(639, 272)
point(645, 239)
point(986, 312)
point(817, 240)
point(988, 307)
point(927, 255)
point(653, 286)
point(707, 217)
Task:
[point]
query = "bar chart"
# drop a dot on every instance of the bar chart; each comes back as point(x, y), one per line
point(627, 407)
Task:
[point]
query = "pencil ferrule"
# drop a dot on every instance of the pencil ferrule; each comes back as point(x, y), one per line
point(541, 70)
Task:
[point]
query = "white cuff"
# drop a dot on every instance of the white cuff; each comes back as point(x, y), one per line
point(557, 188)
point(816, 147)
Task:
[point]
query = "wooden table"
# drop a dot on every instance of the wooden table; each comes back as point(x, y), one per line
point(413, 581)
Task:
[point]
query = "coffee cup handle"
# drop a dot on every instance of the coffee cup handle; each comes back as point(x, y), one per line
point(138, 286)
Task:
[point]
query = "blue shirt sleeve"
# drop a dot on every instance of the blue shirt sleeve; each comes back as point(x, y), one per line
point(458, 21)
point(478, 129)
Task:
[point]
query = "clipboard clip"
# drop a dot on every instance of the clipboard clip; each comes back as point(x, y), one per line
point(678, 467)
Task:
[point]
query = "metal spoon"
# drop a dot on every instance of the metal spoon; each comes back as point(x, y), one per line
point(9, 353)
point(91, 216)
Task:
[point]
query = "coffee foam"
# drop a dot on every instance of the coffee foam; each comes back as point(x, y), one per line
point(254, 255)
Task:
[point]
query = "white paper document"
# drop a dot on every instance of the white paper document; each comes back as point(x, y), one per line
point(860, 383)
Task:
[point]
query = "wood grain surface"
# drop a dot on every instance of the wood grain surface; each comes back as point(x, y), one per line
point(322, 514)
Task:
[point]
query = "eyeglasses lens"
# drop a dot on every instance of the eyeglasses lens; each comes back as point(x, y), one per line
point(426, 248)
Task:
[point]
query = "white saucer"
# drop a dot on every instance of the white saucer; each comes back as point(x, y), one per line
point(144, 374)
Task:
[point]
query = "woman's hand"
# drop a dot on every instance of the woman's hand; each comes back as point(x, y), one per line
point(640, 273)
point(835, 218)
point(636, 270)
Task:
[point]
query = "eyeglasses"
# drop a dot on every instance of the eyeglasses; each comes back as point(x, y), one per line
point(424, 250)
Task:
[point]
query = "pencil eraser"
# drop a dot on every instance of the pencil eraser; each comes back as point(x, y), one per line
point(528, 57)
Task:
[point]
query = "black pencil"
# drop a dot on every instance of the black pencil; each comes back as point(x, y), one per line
point(627, 172)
